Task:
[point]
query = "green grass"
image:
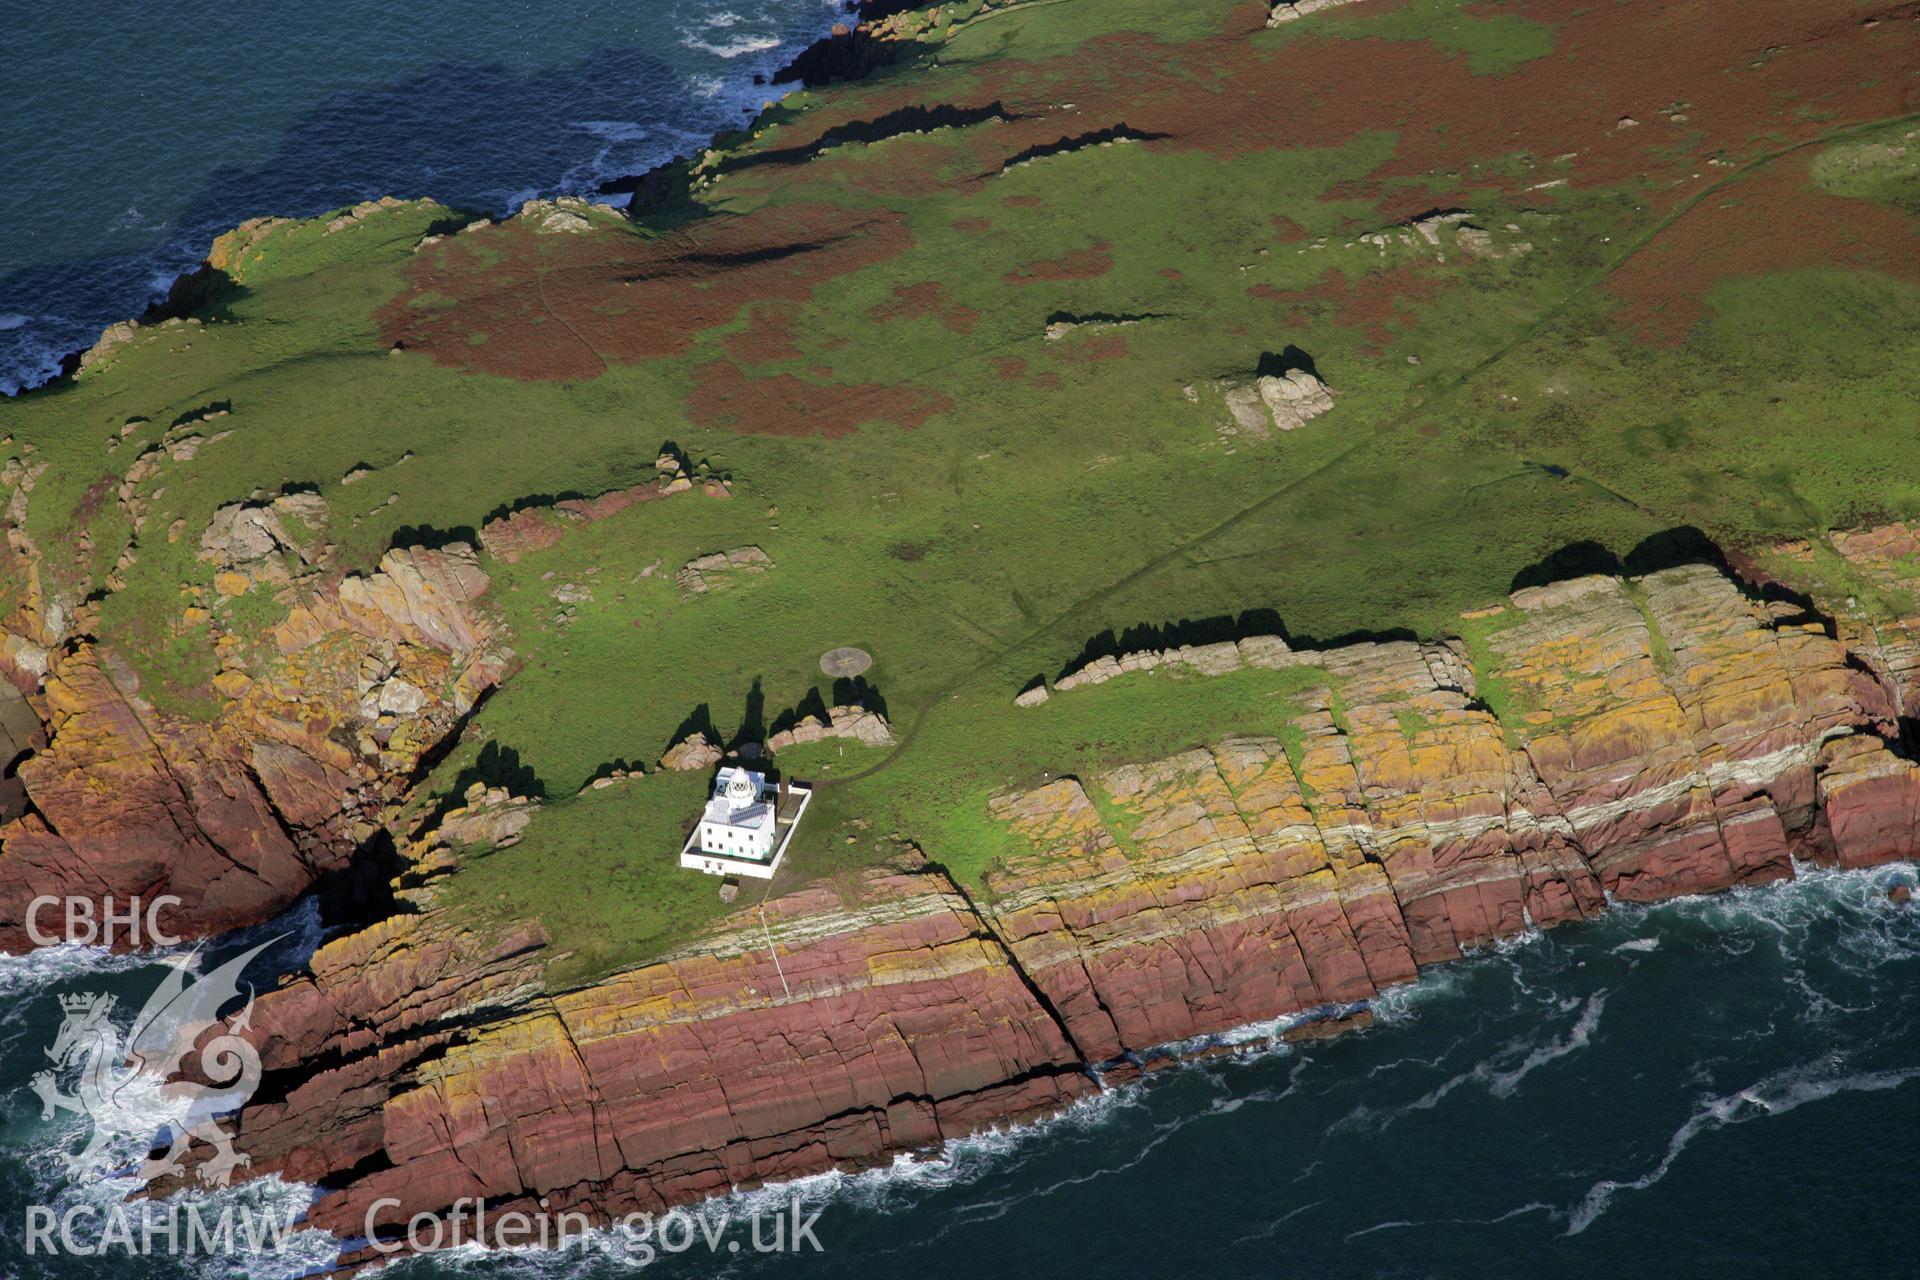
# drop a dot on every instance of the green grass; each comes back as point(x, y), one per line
point(601, 872)
point(1068, 498)
point(1884, 168)
point(1663, 659)
point(1492, 42)
point(1508, 702)
point(600, 869)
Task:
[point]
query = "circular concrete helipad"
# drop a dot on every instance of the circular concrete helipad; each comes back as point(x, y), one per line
point(844, 663)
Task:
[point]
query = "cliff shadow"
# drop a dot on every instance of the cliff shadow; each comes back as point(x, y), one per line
point(206, 291)
point(1081, 141)
point(698, 721)
point(1668, 549)
point(812, 705)
point(1575, 560)
point(211, 409)
point(432, 537)
point(1222, 629)
point(892, 124)
point(363, 892)
point(531, 502)
point(1671, 548)
point(1113, 643)
point(851, 54)
point(858, 691)
point(617, 767)
point(494, 766)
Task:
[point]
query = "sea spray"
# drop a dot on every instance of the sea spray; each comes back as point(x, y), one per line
point(1604, 1082)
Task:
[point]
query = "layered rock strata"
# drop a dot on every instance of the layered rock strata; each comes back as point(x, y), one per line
point(1597, 738)
point(841, 1023)
point(321, 727)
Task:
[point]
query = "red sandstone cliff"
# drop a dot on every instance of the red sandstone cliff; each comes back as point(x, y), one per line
point(1656, 737)
point(322, 725)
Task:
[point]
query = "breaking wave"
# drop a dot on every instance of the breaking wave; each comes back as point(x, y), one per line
point(1773, 1095)
point(1723, 1010)
point(24, 976)
point(734, 48)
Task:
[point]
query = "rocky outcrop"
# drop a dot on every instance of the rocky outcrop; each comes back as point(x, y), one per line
point(693, 752)
point(1881, 564)
point(1597, 737)
point(563, 215)
point(1434, 233)
point(1286, 11)
point(1216, 658)
point(1672, 725)
point(1684, 730)
point(20, 735)
point(1277, 402)
point(538, 526)
point(1246, 880)
point(322, 725)
point(842, 1024)
point(1658, 737)
point(258, 540)
point(869, 728)
point(722, 569)
point(359, 213)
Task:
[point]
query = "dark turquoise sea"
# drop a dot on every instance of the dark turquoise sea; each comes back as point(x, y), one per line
point(1710, 1087)
point(134, 131)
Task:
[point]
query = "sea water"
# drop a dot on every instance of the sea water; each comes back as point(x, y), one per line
point(132, 132)
point(1715, 1086)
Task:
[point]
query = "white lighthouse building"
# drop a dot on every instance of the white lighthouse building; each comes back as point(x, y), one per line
point(745, 828)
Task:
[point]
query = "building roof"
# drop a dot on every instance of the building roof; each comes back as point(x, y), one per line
point(757, 817)
point(724, 810)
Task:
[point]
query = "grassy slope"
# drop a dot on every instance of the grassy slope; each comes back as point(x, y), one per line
point(988, 545)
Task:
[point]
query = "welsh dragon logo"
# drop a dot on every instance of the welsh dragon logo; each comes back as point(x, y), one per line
point(165, 1077)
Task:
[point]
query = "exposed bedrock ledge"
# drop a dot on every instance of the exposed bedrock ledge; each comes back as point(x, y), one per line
point(321, 729)
point(890, 1019)
point(1395, 820)
point(1653, 737)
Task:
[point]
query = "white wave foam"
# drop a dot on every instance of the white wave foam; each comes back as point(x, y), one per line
point(1272, 1229)
point(1531, 1207)
point(131, 219)
point(736, 48)
point(1501, 1084)
point(1776, 1094)
point(1246, 1039)
point(1403, 1003)
point(615, 131)
point(1785, 906)
point(12, 322)
point(23, 976)
point(301, 927)
point(885, 1189)
point(114, 1186)
point(1526, 1054)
